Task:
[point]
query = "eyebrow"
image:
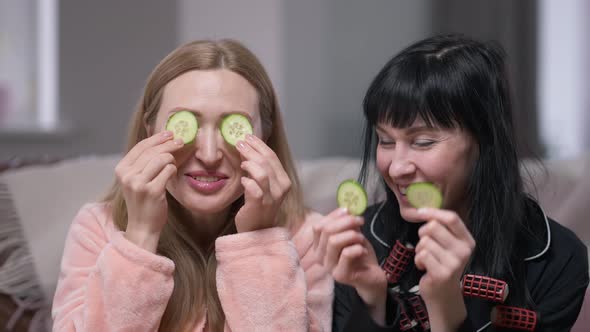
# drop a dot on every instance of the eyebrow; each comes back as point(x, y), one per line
point(412, 130)
point(223, 114)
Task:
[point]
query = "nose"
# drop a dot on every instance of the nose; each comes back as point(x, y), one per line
point(402, 164)
point(208, 146)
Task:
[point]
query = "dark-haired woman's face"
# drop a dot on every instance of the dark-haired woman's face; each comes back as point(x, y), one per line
point(444, 157)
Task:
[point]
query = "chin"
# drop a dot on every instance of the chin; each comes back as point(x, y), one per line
point(209, 204)
point(205, 209)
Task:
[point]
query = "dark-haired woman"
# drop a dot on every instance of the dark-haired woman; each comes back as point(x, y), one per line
point(489, 258)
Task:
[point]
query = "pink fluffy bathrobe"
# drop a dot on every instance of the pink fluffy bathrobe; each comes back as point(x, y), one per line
point(267, 280)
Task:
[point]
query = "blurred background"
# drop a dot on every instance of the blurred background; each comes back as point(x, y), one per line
point(71, 72)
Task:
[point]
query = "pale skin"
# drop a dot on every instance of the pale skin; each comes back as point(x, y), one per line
point(419, 153)
point(160, 164)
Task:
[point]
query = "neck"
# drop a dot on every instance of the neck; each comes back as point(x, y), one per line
point(204, 229)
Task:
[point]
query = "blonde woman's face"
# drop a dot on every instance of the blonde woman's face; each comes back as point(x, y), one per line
point(208, 177)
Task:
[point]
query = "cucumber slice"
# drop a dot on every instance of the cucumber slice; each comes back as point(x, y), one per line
point(235, 127)
point(424, 194)
point(351, 195)
point(184, 125)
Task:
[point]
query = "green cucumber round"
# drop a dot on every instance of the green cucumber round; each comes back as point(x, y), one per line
point(235, 127)
point(184, 125)
point(424, 194)
point(351, 195)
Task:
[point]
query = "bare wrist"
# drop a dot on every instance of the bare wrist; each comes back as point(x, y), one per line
point(447, 316)
point(144, 240)
point(375, 297)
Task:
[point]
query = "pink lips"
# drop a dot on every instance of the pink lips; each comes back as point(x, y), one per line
point(403, 199)
point(206, 186)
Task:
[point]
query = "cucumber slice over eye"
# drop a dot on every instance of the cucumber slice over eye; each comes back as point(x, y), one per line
point(235, 127)
point(184, 125)
point(424, 194)
point(352, 196)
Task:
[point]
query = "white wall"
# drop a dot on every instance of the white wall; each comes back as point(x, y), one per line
point(564, 71)
point(106, 51)
point(321, 56)
point(333, 49)
point(256, 23)
point(17, 70)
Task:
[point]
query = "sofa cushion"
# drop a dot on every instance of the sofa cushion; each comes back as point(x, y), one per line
point(46, 199)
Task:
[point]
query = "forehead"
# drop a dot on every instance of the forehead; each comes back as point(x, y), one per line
point(210, 91)
point(417, 123)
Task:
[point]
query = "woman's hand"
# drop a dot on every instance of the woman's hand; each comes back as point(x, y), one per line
point(443, 251)
point(345, 252)
point(143, 174)
point(265, 187)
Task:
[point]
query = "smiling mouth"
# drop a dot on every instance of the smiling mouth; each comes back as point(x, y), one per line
point(206, 178)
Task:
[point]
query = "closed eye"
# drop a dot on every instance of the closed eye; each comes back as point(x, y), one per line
point(384, 142)
point(424, 143)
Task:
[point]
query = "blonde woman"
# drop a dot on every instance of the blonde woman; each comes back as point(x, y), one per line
point(202, 236)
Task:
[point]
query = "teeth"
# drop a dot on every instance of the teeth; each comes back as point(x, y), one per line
point(403, 190)
point(206, 178)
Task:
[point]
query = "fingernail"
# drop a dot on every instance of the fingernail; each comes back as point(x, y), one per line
point(250, 137)
point(421, 210)
point(179, 141)
point(358, 219)
point(167, 133)
point(241, 144)
point(342, 211)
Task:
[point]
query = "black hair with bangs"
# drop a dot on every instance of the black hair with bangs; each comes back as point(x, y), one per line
point(452, 81)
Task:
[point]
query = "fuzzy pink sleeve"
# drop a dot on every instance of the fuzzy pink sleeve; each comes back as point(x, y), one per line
point(320, 285)
point(107, 283)
point(265, 283)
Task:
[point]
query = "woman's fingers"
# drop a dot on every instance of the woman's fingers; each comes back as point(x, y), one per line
point(154, 152)
point(448, 218)
point(438, 232)
point(155, 166)
point(442, 255)
point(268, 155)
point(338, 242)
point(337, 225)
point(318, 228)
point(254, 150)
point(252, 190)
point(344, 270)
point(144, 145)
point(258, 174)
point(158, 184)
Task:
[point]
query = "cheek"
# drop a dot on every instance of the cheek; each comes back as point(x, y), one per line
point(439, 169)
point(158, 124)
point(234, 160)
point(382, 162)
point(454, 173)
point(258, 132)
point(183, 155)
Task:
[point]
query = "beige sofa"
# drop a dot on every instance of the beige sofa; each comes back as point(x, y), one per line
point(37, 204)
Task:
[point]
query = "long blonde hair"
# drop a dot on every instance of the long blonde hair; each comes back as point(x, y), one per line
point(194, 277)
